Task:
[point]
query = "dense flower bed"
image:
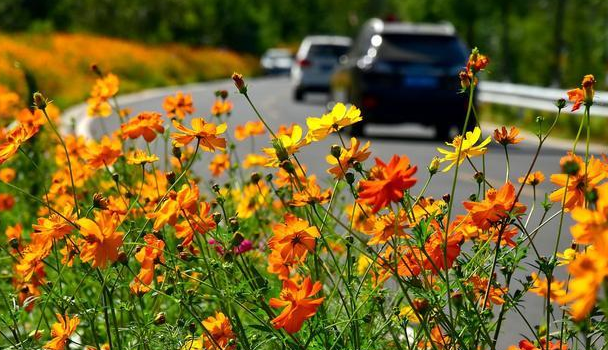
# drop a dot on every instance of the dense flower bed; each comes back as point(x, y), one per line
point(109, 252)
point(59, 62)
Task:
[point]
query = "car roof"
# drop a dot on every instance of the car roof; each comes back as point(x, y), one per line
point(327, 40)
point(379, 26)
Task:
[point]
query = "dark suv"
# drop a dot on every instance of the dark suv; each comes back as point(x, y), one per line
point(404, 73)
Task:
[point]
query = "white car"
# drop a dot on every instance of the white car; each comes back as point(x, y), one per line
point(277, 61)
point(316, 60)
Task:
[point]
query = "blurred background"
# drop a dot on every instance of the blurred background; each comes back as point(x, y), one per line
point(541, 42)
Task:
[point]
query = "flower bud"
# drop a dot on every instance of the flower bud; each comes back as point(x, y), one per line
point(479, 177)
point(192, 327)
point(100, 202)
point(421, 305)
point(160, 318)
point(280, 150)
point(237, 238)
point(434, 165)
point(288, 166)
point(177, 152)
point(350, 178)
point(14, 243)
point(239, 82)
point(234, 223)
point(336, 151)
point(95, 69)
point(122, 257)
point(40, 101)
point(115, 177)
point(561, 103)
point(570, 167)
point(269, 177)
point(217, 217)
point(446, 198)
point(216, 188)
point(170, 176)
point(256, 177)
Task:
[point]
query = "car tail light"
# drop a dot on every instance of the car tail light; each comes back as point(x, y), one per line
point(304, 63)
point(369, 102)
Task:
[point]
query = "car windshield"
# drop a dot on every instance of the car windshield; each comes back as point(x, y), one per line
point(428, 49)
point(329, 51)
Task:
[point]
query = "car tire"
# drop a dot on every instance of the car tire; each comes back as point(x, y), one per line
point(357, 130)
point(298, 94)
point(443, 131)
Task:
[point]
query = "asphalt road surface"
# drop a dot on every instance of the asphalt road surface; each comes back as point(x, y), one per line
point(273, 97)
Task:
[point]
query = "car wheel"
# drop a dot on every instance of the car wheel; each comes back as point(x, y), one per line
point(298, 94)
point(357, 129)
point(445, 132)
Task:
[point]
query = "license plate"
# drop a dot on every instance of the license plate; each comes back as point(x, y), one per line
point(421, 82)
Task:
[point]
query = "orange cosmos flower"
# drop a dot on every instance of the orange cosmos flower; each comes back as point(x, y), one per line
point(387, 182)
point(219, 333)
point(279, 266)
point(221, 107)
point(101, 239)
point(348, 157)
point(592, 225)
point(61, 332)
point(205, 133)
point(387, 226)
point(298, 304)
point(104, 89)
point(504, 138)
point(148, 256)
point(577, 186)
point(588, 270)
point(184, 201)
point(7, 201)
point(540, 287)
point(178, 106)
point(202, 222)
point(440, 251)
point(533, 179)
point(7, 174)
point(219, 164)
point(139, 157)
point(477, 61)
point(36, 117)
point(480, 287)
point(14, 139)
point(495, 207)
point(311, 194)
point(146, 124)
point(528, 345)
point(249, 129)
point(104, 153)
point(585, 95)
point(294, 238)
point(52, 228)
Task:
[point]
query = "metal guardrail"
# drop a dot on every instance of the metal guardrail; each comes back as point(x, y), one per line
point(535, 97)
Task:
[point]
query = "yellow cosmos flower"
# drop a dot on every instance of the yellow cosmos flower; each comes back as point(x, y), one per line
point(467, 150)
point(284, 146)
point(139, 157)
point(409, 313)
point(338, 118)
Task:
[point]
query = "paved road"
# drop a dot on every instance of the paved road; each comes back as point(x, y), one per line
point(273, 98)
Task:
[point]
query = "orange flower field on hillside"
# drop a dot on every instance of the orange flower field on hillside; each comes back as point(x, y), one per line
point(59, 63)
point(103, 247)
